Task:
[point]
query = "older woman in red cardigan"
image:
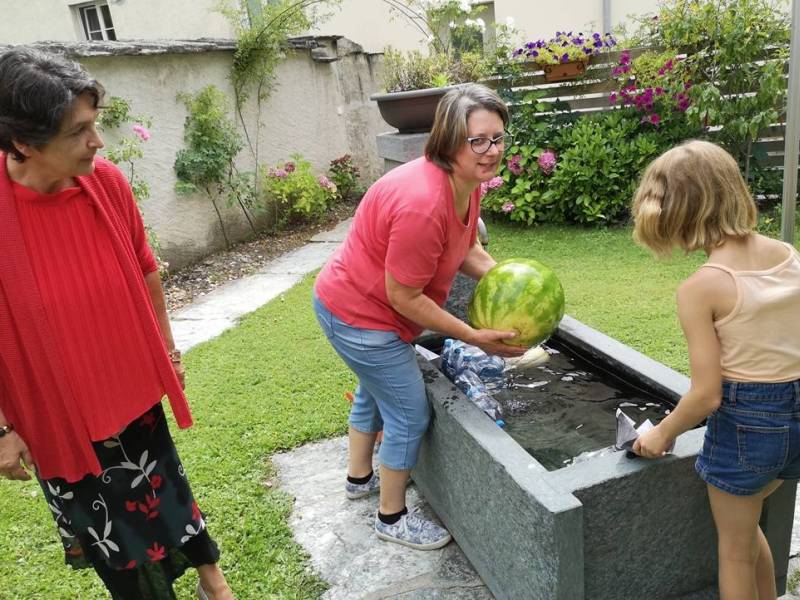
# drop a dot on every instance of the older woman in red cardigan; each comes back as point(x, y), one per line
point(86, 352)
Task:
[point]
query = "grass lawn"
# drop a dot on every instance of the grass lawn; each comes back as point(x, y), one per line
point(273, 383)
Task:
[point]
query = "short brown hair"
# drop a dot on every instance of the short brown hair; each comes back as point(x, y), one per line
point(449, 130)
point(37, 91)
point(693, 197)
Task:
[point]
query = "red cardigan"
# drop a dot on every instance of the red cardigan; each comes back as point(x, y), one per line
point(34, 393)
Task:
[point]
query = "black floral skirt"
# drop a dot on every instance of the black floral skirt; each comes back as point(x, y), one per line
point(137, 524)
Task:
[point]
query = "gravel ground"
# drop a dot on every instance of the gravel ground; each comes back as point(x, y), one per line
point(184, 286)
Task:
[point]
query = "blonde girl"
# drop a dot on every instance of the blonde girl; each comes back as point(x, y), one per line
point(740, 314)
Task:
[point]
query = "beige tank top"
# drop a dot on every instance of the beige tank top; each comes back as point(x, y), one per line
point(760, 338)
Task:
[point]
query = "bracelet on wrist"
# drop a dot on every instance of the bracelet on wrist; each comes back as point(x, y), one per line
point(6, 429)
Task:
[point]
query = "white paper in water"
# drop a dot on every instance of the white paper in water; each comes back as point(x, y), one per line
point(628, 433)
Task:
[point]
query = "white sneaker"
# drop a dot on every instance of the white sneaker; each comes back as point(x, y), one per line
point(413, 531)
point(354, 491)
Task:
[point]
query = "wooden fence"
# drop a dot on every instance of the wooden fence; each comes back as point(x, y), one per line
point(590, 94)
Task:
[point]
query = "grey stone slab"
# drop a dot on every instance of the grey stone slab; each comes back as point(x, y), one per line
point(795, 541)
point(189, 333)
point(337, 234)
point(794, 567)
point(401, 147)
point(338, 535)
point(219, 310)
point(301, 261)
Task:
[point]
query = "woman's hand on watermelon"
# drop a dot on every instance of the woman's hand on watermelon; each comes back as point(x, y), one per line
point(491, 342)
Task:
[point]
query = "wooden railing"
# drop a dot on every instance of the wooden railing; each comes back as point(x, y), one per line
point(591, 94)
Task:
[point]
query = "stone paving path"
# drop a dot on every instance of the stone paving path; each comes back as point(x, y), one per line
point(337, 533)
point(219, 310)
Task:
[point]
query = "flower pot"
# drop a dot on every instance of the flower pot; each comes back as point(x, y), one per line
point(412, 111)
point(564, 71)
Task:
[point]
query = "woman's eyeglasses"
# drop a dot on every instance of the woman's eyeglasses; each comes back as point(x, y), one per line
point(481, 145)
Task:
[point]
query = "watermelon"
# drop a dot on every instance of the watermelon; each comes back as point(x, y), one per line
point(518, 294)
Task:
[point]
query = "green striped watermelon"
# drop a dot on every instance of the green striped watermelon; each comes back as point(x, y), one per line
point(518, 294)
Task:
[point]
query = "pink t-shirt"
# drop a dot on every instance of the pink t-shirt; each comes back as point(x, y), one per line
point(406, 224)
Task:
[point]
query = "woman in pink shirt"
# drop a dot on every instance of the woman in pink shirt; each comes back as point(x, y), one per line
point(415, 229)
point(86, 351)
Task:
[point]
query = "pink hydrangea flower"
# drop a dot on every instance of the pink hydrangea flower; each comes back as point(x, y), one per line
point(278, 173)
point(507, 207)
point(547, 161)
point(142, 132)
point(513, 164)
point(492, 184)
point(326, 183)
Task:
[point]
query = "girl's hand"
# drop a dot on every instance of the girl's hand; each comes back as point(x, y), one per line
point(491, 342)
point(653, 444)
point(14, 455)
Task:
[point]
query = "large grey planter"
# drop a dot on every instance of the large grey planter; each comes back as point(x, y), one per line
point(610, 528)
point(412, 111)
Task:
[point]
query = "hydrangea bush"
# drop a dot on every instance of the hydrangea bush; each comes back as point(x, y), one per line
point(292, 192)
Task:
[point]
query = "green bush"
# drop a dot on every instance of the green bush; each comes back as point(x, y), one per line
point(207, 163)
point(597, 164)
point(294, 193)
point(598, 170)
point(345, 175)
point(562, 168)
point(736, 51)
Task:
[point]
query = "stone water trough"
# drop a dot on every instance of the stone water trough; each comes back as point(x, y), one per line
point(609, 528)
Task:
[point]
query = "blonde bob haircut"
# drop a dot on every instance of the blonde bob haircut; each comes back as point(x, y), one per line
point(449, 132)
point(693, 197)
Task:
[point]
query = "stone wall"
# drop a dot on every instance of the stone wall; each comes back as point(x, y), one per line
point(320, 108)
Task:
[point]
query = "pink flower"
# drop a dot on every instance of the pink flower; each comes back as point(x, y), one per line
point(513, 164)
point(278, 173)
point(507, 207)
point(289, 167)
point(655, 119)
point(492, 184)
point(326, 183)
point(613, 98)
point(142, 132)
point(547, 161)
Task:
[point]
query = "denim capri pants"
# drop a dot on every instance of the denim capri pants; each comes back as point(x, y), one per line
point(753, 438)
point(391, 393)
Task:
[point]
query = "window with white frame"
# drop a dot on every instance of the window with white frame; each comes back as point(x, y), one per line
point(96, 21)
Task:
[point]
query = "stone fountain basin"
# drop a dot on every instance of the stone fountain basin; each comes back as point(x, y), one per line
point(611, 527)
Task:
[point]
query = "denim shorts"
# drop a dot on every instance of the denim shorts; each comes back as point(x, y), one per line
point(391, 393)
point(753, 438)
